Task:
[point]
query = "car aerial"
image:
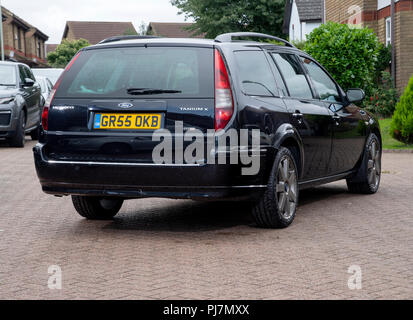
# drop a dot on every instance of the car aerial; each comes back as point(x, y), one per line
point(97, 145)
point(45, 85)
point(52, 74)
point(20, 103)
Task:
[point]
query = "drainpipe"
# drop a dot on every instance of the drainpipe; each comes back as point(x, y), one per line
point(393, 49)
point(1, 32)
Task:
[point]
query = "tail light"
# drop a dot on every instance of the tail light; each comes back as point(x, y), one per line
point(45, 112)
point(224, 103)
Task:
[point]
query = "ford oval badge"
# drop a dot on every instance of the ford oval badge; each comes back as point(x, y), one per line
point(125, 105)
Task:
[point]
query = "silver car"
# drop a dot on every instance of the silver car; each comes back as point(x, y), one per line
point(20, 103)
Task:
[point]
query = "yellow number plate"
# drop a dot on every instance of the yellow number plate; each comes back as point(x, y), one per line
point(141, 121)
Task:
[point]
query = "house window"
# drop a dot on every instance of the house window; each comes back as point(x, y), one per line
point(388, 31)
point(39, 49)
point(17, 38)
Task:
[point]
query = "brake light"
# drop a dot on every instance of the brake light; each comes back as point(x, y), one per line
point(48, 103)
point(224, 104)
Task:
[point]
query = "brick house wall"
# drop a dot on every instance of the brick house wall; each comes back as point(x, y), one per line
point(22, 41)
point(367, 13)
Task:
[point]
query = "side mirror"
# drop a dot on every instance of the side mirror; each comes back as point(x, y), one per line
point(28, 82)
point(355, 95)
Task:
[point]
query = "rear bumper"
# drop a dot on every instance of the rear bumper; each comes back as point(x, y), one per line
point(137, 180)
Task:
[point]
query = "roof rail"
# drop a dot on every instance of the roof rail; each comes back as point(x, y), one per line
point(120, 38)
point(227, 37)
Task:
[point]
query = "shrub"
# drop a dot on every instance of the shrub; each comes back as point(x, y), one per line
point(349, 54)
point(383, 100)
point(299, 44)
point(65, 52)
point(383, 61)
point(402, 123)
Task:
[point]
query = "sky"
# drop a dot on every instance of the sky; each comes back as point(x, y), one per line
point(50, 16)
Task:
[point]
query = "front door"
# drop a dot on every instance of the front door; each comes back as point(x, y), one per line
point(347, 120)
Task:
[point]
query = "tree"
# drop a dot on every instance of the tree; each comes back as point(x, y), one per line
point(65, 52)
point(143, 29)
point(130, 32)
point(401, 126)
point(214, 17)
point(349, 54)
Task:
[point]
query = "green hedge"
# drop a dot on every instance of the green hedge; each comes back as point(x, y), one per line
point(349, 54)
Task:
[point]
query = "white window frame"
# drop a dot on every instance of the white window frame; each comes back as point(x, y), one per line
point(388, 31)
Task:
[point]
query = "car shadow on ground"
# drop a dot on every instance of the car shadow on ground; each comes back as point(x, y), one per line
point(191, 216)
point(5, 144)
point(186, 216)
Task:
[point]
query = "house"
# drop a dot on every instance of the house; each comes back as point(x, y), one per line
point(51, 47)
point(22, 41)
point(301, 17)
point(172, 30)
point(96, 31)
point(376, 14)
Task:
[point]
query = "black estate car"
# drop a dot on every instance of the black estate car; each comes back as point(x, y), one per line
point(96, 142)
point(20, 103)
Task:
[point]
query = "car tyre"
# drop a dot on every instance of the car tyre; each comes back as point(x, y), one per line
point(19, 139)
point(367, 178)
point(35, 134)
point(94, 208)
point(278, 205)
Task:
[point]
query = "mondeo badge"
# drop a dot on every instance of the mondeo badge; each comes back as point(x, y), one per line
point(125, 105)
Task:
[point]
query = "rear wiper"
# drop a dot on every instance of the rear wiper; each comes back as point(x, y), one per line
point(138, 91)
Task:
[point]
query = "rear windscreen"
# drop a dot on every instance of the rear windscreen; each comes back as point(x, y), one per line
point(110, 73)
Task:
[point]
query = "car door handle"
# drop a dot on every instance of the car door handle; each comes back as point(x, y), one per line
point(336, 119)
point(298, 116)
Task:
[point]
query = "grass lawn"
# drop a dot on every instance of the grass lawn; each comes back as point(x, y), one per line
point(388, 141)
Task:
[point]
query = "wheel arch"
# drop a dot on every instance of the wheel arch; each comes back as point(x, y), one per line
point(287, 136)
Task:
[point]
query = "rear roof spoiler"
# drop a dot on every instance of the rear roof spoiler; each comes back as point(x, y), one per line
point(227, 37)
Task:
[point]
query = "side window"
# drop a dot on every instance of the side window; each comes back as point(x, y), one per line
point(255, 73)
point(29, 74)
point(325, 87)
point(294, 76)
point(22, 74)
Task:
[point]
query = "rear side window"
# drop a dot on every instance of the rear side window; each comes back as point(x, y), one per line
point(325, 87)
point(255, 74)
point(293, 75)
point(111, 72)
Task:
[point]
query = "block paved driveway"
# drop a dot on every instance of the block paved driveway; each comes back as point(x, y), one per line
point(173, 249)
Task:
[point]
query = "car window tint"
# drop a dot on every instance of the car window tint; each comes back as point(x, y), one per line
point(255, 74)
point(278, 79)
point(110, 72)
point(30, 74)
point(22, 74)
point(294, 76)
point(325, 87)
